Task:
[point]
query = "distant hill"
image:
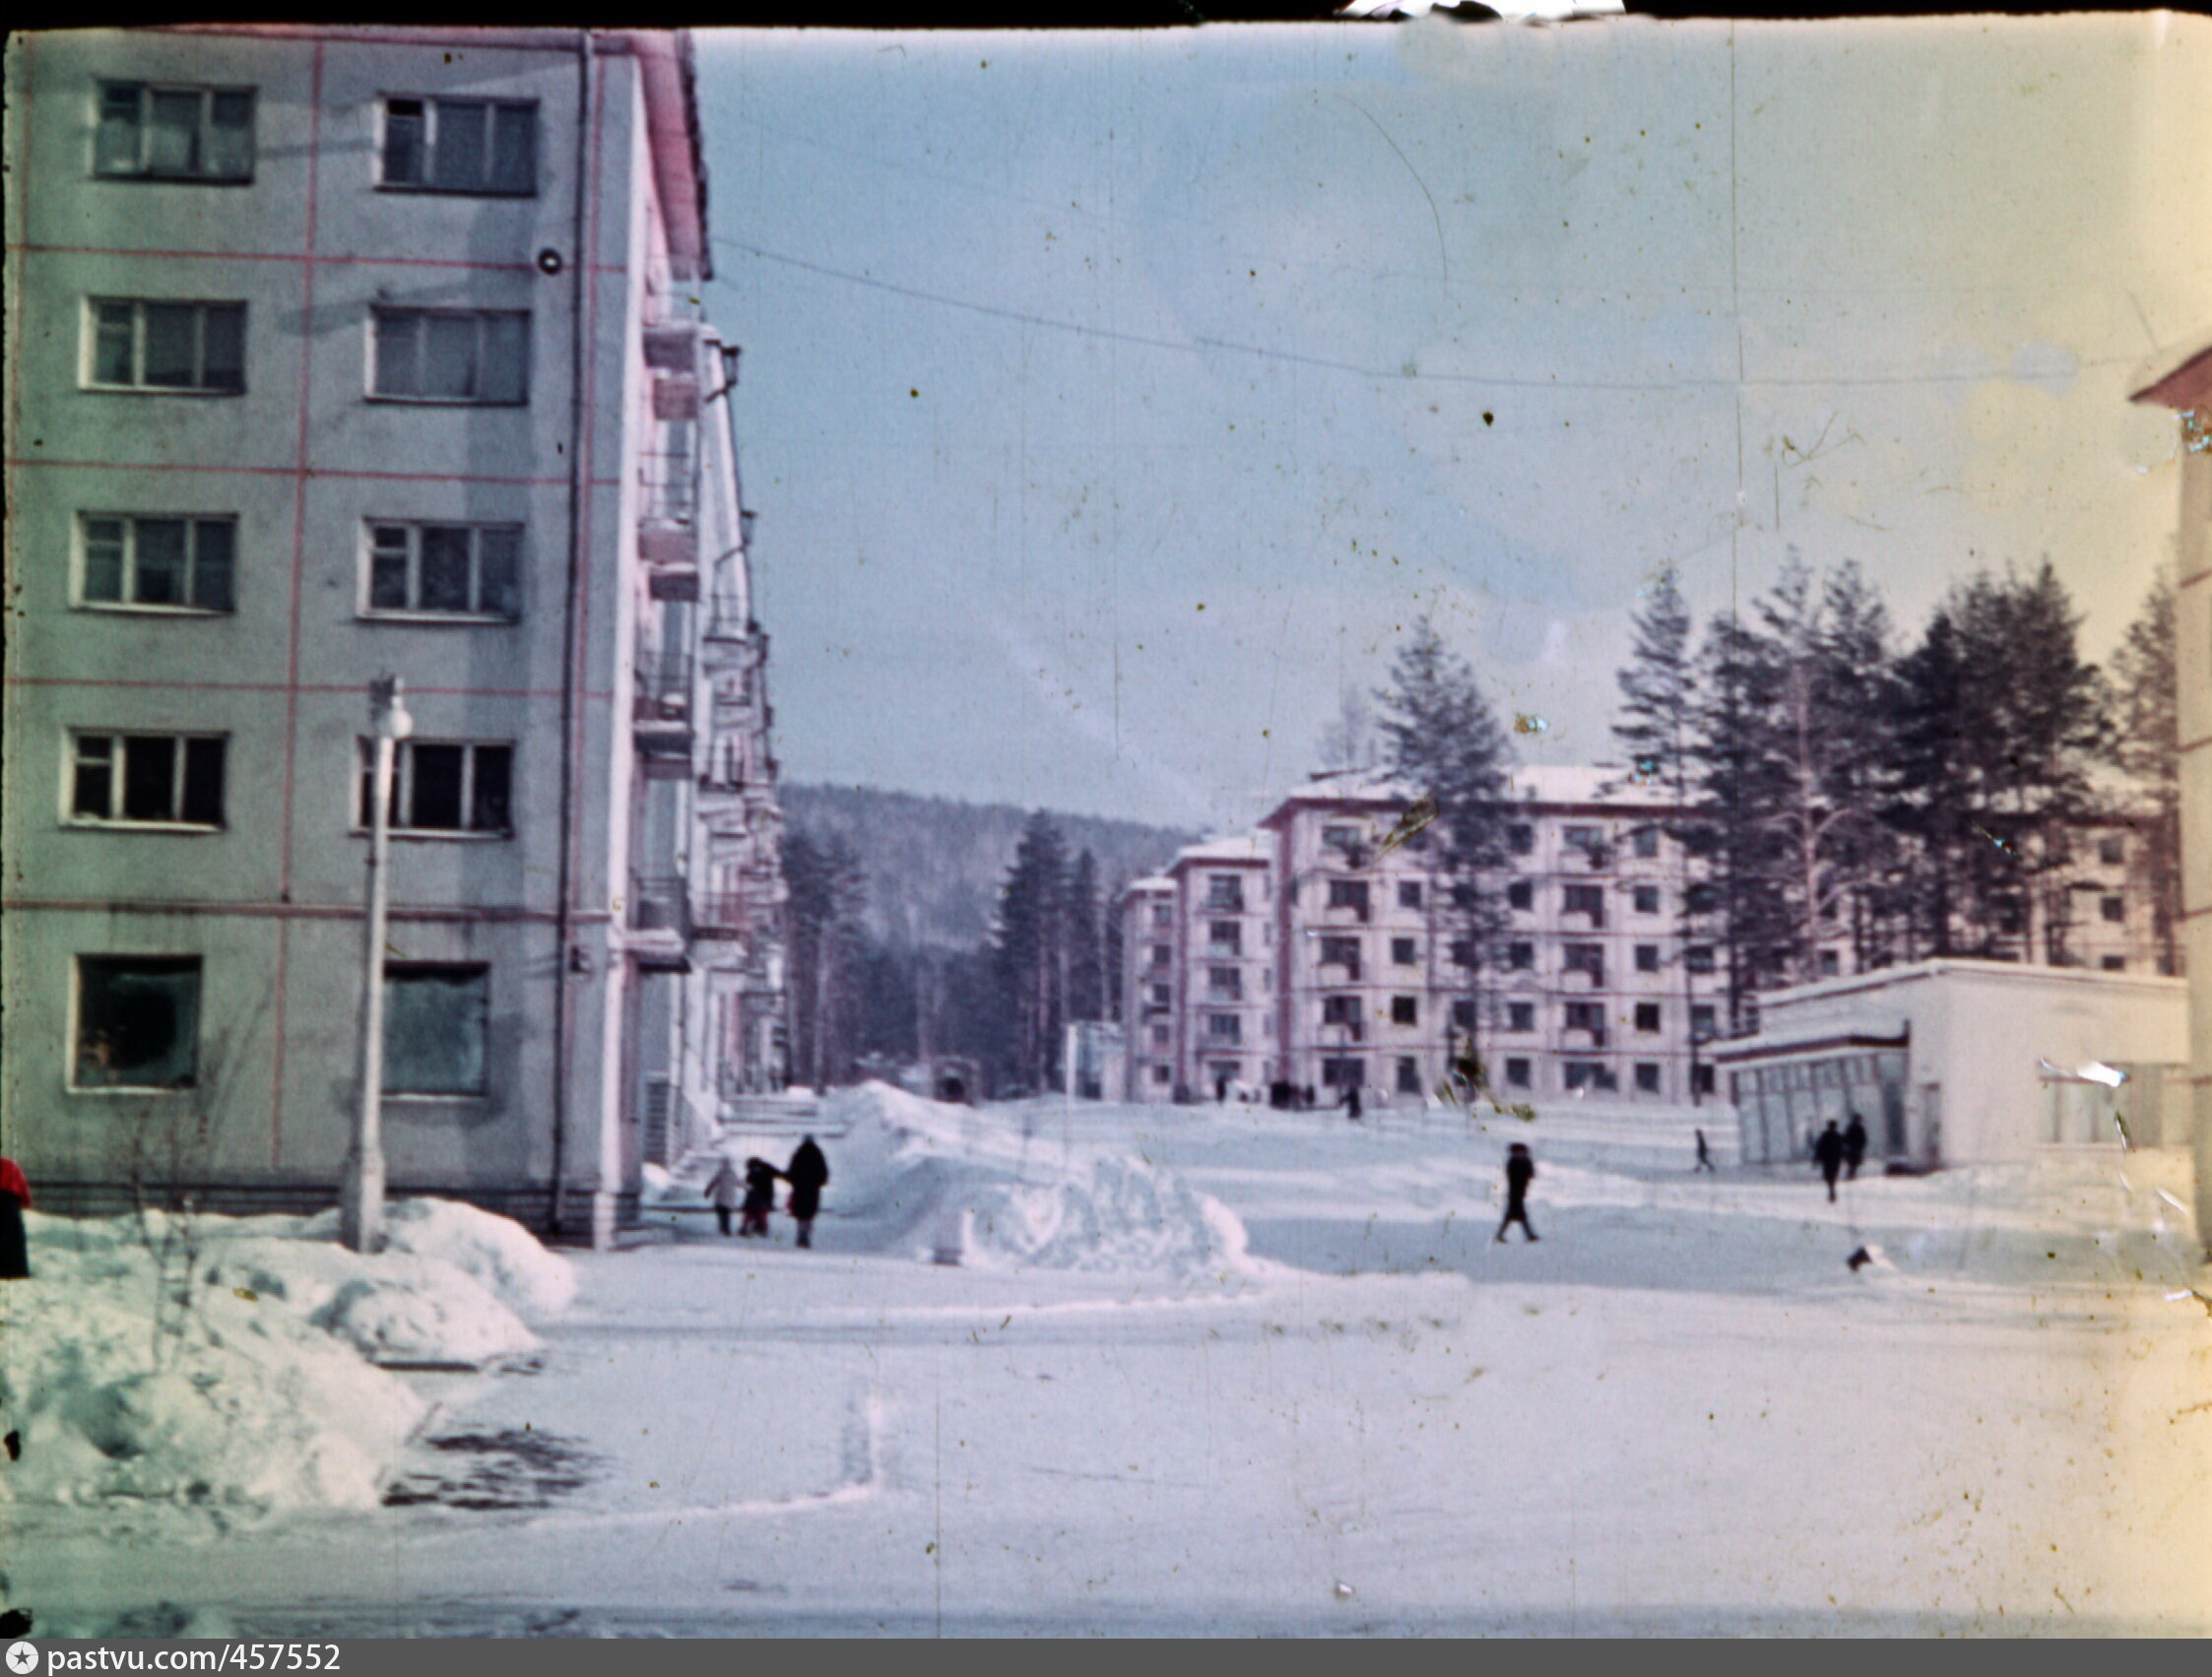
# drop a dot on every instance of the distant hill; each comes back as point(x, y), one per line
point(935, 864)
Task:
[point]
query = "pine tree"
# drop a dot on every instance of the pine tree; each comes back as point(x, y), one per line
point(827, 891)
point(1029, 954)
point(2146, 746)
point(1086, 969)
point(1440, 737)
point(1857, 681)
point(1734, 798)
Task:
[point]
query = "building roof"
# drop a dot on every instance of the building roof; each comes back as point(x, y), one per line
point(672, 131)
point(2176, 380)
point(1252, 848)
point(1584, 783)
point(1152, 884)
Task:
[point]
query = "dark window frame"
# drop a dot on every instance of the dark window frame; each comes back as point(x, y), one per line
point(81, 1012)
point(470, 796)
point(113, 768)
point(199, 565)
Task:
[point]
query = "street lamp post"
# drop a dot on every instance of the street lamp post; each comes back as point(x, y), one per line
point(360, 1199)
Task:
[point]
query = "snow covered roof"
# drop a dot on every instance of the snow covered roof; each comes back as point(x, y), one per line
point(1152, 882)
point(1242, 847)
point(1582, 783)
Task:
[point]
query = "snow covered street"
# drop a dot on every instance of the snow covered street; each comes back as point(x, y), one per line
point(1353, 1413)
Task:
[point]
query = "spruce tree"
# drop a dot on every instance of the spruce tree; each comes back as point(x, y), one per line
point(1087, 971)
point(2146, 746)
point(1029, 954)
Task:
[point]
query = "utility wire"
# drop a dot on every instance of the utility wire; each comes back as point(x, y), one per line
point(1198, 344)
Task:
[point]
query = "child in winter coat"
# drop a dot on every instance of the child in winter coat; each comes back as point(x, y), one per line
point(722, 1192)
point(760, 1196)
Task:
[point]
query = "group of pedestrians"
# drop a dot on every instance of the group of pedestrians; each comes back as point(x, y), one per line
point(754, 1196)
point(1839, 1151)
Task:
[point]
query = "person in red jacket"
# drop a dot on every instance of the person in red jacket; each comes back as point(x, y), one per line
point(15, 1201)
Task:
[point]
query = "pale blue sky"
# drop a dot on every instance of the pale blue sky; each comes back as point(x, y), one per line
point(1492, 322)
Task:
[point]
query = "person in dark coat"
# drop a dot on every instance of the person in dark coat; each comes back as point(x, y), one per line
point(807, 1173)
point(1704, 1156)
point(1828, 1154)
point(1521, 1170)
point(15, 1201)
point(1854, 1147)
point(760, 1196)
point(1350, 1101)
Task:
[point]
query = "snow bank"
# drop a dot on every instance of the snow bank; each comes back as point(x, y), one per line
point(236, 1381)
point(1019, 1196)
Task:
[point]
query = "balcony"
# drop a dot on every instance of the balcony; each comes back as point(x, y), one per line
point(720, 918)
point(667, 537)
point(660, 922)
point(660, 715)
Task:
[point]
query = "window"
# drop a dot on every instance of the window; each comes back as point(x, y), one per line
point(1587, 1016)
point(1409, 1075)
point(433, 1029)
point(1831, 963)
point(163, 779)
point(1520, 1015)
point(1520, 894)
point(1589, 1074)
point(1224, 984)
point(1586, 899)
point(2113, 909)
point(2112, 851)
point(445, 787)
point(2115, 963)
point(1162, 994)
point(1348, 893)
point(1408, 894)
point(1517, 1073)
point(451, 355)
point(1646, 842)
point(150, 133)
point(1163, 954)
point(1340, 838)
point(1339, 1010)
point(445, 571)
point(1701, 1079)
point(1344, 1072)
point(445, 144)
point(1159, 1074)
point(1582, 838)
point(1462, 953)
point(1585, 958)
point(1224, 893)
point(1405, 951)
point(1521, 957)
point(1520, 839)
point(1698, 958)
point(1701, 899)
point(138, 1022)
point(1462, 1017)
point(1224, 1029)
point(1405, 1009)
point(1163, 915)
point(1647, 899)
point(126, 560)
point(140, 344)
point(1648, 1016)
point(1160, 1036)
point(1223, 938)
point(1646, 957)
point(1341, 952)
point(1702, 1026)
point(1647, 1077)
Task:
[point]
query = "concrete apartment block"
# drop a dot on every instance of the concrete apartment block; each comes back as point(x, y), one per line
point(344, 351)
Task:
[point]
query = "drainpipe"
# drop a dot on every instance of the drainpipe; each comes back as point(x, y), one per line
point(564, 924)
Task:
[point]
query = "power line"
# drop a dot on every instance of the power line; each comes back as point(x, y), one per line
point(1403, 375)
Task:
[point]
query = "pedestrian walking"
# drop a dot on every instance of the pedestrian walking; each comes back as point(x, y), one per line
point(1704, 1157)
point(724, 1191)
point(1350, 1101)
point(1854, 1147)
point(760, 1196)
point(15, 1201)
point(1828, 1154)
point(1521, 1170)
point(808, 1173)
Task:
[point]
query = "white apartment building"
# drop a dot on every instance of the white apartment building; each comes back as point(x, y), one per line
point(336, 352)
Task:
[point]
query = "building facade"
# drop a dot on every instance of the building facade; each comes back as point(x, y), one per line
point(1324, 950)
point(2185, 386)
point(344, 352)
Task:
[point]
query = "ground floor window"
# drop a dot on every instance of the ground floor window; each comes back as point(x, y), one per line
point(1589, 1074)
point(1343, 1071)
point(1517, 1073)
point(138, 1022)
point(1409, 1075)
point(433, 1029)
point(1159, 1074)
point(1647, 1077)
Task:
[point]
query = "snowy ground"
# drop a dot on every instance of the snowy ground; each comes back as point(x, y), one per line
point(1335, 1406)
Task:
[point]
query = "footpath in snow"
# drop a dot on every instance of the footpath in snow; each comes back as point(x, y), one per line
point(1208, 1370)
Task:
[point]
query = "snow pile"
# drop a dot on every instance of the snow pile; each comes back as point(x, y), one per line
point(1020, 1197)
point(219, 1364)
